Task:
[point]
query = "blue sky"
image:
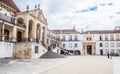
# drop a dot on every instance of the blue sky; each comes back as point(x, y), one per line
point(84, 14)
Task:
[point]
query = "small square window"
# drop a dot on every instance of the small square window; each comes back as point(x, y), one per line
point(36, 49)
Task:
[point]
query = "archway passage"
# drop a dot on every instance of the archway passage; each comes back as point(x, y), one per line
point(6, 34)
point(89, 49)
point(30, 29)
point(43, 36)
point(38, 33)
point(19, 36)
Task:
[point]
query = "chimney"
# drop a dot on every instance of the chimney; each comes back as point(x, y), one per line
point(35, 7)
point(27, 8)
point(38, 6)
point(74, 27)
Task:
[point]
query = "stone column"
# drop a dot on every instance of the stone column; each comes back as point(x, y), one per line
point(26, 31)
point(45, 35)
point(14, 38)
point(3, 29)
point(34, 30)
point(41, 31)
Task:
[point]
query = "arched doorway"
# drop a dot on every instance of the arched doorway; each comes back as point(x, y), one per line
point(30, 29)
point(6, 34)
point(38, 32)
point(19, 36)
point(89, 49)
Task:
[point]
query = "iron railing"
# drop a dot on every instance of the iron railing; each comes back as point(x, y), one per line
point(11, 20)
point(21, 25)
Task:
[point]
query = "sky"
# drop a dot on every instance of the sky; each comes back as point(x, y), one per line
point(83, 14)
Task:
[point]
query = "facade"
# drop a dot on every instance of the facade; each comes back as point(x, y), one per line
point(101, 42)
point(70, 41)
point(25, 35)
point(22, 34)
point(98, 42)
point(53, 42)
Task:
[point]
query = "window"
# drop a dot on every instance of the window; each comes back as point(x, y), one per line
point(106, 37)
point(111, 37)
point(101, 45)
point(118, 44)
point(106, 45)
point(76, 38)
point(89, 38)
point(106, 51)
point(118, 51)
point(63, 38)
point(112, 50)
point(117, 37)
point(36, 49)
point(63, 45)
point(75, 44)
point(112, 44)
point(100, 38)
point(70, 38)
point(70, 45)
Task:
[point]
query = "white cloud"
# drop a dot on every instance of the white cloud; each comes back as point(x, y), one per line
point(66, 13)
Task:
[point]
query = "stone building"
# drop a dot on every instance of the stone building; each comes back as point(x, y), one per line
point(22, 34)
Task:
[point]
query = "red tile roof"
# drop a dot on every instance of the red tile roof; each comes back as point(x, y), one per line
point(11, 4)
point(66, 31)
point(101, 31)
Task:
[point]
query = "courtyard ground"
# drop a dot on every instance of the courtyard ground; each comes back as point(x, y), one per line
point(84, 65)
point(69, 65)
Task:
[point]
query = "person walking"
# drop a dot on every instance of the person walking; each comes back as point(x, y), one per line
point(111, 55)
point(108, 54)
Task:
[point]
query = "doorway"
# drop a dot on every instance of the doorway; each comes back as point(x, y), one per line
point(101, 52)
point(19, 36)
point(89, 49)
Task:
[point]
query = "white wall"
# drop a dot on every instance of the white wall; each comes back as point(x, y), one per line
point(67, 46)
point(6, 49)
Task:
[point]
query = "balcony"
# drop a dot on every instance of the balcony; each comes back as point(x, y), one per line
point(21, 25)
point(7, 18)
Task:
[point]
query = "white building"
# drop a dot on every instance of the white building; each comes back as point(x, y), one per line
point(70, 39)
point(97, 42)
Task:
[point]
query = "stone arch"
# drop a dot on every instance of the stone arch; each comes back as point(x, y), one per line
point(20, 21)
point(19, 36)
point(6, 34)
point(43, 35)
point(38, 31)
point(30, 29)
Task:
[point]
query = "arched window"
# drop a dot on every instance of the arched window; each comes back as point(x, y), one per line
point(20, 21)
